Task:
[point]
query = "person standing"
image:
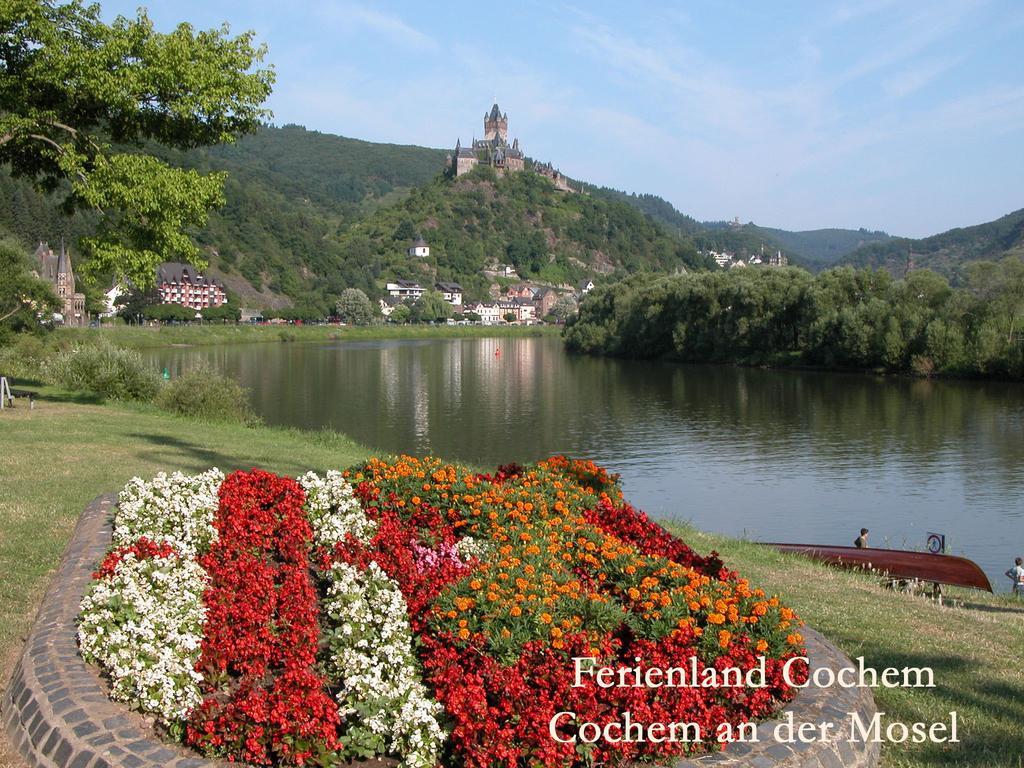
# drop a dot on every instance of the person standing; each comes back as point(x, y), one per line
point(861, 541)
point(1016, 574)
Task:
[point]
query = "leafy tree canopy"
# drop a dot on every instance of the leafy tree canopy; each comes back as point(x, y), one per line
point(22, 295)
point(74, 91)
point(354, 307)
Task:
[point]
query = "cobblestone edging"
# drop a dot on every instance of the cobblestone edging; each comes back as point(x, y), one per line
point(811, 705)
point(56, 712)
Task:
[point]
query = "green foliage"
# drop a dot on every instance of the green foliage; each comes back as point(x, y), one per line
point(354, 308)
point(205, 394)
point(225, 313)
point(520, 218)
point(431, 308)
point(401, 314)
point(23, 297)
point(166, 313)
point(73, 89)
point(842, 318)
point(102, 368)
point(948, 253)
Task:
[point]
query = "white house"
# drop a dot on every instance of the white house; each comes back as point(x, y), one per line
point(525, 310)
point(405, 289)
point(585, 286)
point(452, 293)
point(490, 314)
point(419, 248)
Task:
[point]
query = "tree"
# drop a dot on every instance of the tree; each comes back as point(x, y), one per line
point(165, 313)
point(510, 317)
point(133, 303)
point(222, 314)
point(354, 307)
point(471, 316)
point(564, 308)
point(431, 308)
point(23, 297)
point(400, 314)
point(405, 231)
point(79, 97)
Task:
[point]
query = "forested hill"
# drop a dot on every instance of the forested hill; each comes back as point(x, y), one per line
point(309, 214)
point(814, 249)
point(289, 193)
point(479, 220)
point(947, 252)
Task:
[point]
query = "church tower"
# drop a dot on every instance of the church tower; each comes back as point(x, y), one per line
point(496, 124)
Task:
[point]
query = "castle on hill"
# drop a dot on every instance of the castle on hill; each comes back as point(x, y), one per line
point(494, 150)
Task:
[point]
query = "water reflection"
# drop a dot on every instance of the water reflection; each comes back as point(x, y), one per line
point(783, 455)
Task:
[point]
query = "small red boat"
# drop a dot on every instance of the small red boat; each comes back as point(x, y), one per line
point(898, 563)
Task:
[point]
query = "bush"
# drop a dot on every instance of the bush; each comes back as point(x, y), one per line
point(109, 371)
point(22, 355)
point(205, 394)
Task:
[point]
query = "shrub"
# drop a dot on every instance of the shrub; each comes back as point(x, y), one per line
point(109, 371)
point(205, 394)
point(23, 355)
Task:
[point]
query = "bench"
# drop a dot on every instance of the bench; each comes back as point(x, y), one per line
point(7, 395)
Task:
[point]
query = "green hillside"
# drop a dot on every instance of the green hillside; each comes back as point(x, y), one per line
point(814, 249)
point(946, 253)
point(480, 220)
point(289, 193)
point(822, 247)
point(309, 214)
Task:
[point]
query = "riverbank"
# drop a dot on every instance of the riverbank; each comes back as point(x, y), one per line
point(68, 450)
point(145, 337)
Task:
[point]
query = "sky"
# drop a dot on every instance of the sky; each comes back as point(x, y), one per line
point(901, 116)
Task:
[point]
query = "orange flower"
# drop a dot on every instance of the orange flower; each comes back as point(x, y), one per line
point(716, 618)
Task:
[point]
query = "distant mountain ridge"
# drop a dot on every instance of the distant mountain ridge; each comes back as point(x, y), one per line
point(946, 252)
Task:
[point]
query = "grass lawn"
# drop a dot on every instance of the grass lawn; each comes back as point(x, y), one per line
point(137, 337)
point(54, 459)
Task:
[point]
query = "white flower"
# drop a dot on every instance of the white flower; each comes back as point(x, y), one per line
point(370, 652)
point(177, 509)
point(144, 625)
point(333, 510)
point(369, 640)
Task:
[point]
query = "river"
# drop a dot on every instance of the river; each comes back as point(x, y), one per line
point(770, 455)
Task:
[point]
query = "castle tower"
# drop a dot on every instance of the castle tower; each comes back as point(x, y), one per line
point(65, 277)
point(496, 124)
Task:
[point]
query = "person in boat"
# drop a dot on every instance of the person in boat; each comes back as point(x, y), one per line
point(861, 541)
point(1016, 574)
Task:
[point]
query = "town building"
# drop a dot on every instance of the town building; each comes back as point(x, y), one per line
point(452, 292)
point(544, 300)
point(56, 270)
point(489, 313)
point(524, 310)
point(492, 150)
point(405, 289)
point(778, 260)
point(585, 286)
point(520, 291)
point(419, 248)
point(183, 284)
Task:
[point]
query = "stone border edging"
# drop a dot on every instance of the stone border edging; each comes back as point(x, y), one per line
point(811, 705)
point(56, 712)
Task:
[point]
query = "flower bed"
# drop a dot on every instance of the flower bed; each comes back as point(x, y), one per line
point(418, 610)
